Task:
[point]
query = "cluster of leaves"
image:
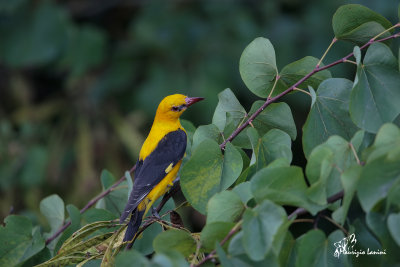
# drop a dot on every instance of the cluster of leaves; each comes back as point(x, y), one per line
point(248, 189)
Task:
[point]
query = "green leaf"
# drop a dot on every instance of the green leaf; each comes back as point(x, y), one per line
point(329, 114)
point(18, 241)
point(223, 258)
point(343, 158)
point(107, 179)
point(349, 179)
point(169, 259)
point(375, 95)
point(244, 191)
point(52, 207)
point(377, 177)
point(115, 201)
point(178, 240)
point(232, 166)
point(378, 224)
point(225, 206)
point(208, 172)
point(284, 186)
point(277, 144)
point(214, 232)
point(94, 215)
point(276, 115)
point(78, 237)
point(75, 218)
point(293, 72)
point(318, 169)
point(201, 175)
point(204, 132)
point(227, 103)
point(358, 23)
point(127, 257)
point(261, 227)
point(287, 253)
point(387, 142)
point(393, 223)
point(257, 67)
point(145, 244)
point(313, 249)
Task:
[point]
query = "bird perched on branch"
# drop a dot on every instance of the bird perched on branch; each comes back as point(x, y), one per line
point(159, 160)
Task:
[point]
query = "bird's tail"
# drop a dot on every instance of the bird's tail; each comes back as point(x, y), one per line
point(133, 225)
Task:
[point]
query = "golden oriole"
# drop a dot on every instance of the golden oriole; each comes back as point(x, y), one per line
point(159, 160)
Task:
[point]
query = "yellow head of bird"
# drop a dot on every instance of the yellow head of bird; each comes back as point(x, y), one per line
point(172, 106)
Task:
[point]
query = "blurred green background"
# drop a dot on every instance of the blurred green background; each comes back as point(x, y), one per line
point(80, 80)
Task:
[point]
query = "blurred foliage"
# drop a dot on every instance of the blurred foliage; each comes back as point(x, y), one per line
point(80, 80)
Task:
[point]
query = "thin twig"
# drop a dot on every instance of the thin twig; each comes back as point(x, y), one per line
point(89, 205)
point(303, 220)
point(337, 225)
point(291, 88)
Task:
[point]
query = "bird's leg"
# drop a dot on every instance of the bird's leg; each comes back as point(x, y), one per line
point(155, 213)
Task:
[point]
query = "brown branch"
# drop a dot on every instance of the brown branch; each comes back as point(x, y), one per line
point(291, 88)
point(331, 199)
point(89, 205)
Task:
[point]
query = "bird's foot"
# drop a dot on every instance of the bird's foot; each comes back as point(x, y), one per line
point(155, 213)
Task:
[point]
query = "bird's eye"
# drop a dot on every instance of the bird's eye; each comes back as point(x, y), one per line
point(175, 108)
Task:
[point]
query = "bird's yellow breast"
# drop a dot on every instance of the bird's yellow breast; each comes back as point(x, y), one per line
point(158, 131)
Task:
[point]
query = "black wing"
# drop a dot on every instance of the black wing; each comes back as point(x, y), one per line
point(151, 170)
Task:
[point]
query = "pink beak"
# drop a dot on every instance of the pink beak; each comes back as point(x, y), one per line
point(191, 100)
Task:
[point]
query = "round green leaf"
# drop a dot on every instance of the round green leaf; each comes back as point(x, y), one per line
point(329, 114)
point(376, 179)
point(358, 23)
point(52, 207)
point(178, 240)
point(227, 103)
point(225, 206)
point(393, 225)
point(18, 243)
point(276, 115)
point(201, 175)
point(258, 66)
point(127, 257)
point(214, 232)
point(283, 185)
point(232, 166)
point(260, 227)
point(294, 71)
point(375, 95)
point(204, 132)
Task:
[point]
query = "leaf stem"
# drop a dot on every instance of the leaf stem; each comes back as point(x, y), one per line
point(326, 52)
point(355, 153)
point(336, 224)
point(385, 31)
point(350, 61)
point(277, 77)
point(303, 91)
